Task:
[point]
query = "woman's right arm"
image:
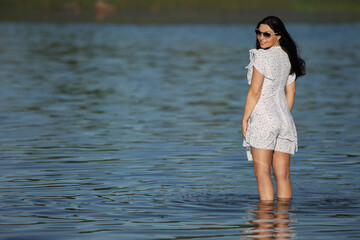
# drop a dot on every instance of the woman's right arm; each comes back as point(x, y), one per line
point(290, 94)
point(252, 97)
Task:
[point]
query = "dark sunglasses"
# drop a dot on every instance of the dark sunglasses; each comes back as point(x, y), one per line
point(265, 34)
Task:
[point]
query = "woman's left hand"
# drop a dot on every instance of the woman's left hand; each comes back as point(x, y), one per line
point(244, 127)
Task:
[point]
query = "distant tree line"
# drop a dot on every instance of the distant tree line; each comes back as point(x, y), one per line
point(183, 4)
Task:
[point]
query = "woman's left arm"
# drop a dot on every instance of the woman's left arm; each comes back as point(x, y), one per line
point(290, 94)
point(252, 97)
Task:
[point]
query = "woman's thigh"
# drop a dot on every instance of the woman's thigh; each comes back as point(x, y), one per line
point(262, 160)
point(281, 165)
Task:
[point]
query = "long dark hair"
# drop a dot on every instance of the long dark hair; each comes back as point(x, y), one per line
point(286, 43)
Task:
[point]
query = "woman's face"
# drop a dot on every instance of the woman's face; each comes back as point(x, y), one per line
point(267, 42)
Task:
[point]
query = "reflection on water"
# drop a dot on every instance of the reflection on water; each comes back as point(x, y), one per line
point(271, 221)
point(134, 131)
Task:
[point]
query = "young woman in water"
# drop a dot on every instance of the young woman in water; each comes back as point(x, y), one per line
point(269, 131)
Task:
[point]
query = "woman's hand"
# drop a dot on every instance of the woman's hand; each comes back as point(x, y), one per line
point(244, 127)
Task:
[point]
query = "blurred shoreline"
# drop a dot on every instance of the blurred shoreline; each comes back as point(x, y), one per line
point(189, 16)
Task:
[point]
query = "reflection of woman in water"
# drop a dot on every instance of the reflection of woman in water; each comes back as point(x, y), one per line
point(271, 221)
point(267, 125)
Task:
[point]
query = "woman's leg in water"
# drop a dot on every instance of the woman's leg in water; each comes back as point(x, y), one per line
point(281, 169)
point(262, 167)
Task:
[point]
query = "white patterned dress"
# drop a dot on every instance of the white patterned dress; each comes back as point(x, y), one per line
point(271, 125)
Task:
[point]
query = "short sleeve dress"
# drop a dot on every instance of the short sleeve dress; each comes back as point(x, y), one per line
point(271, 125)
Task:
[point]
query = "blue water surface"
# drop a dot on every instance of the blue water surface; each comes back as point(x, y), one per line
point(134, 132)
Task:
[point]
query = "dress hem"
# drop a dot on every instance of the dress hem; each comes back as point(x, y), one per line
point(249, 154)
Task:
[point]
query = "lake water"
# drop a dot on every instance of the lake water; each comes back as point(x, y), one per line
point(134, 132)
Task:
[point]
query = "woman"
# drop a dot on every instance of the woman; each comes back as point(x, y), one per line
point(267, 125)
